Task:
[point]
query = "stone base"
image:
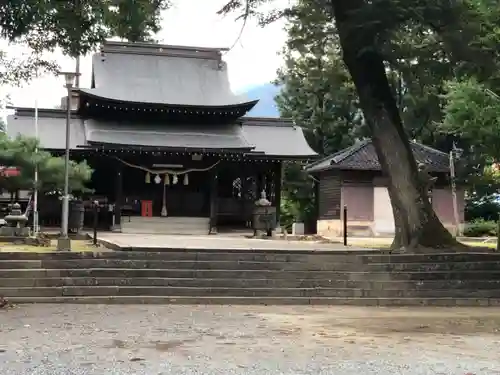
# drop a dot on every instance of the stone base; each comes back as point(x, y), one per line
point(63, 244)
point(15, 232)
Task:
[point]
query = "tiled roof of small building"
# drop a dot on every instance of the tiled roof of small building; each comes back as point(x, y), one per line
point(362, 156)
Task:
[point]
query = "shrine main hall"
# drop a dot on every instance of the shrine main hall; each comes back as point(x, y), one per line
point(170, 144)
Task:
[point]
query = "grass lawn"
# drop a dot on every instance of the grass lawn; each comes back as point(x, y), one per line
point(76, 246)
point(385, 243)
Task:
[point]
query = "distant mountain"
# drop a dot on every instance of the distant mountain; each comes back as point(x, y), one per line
point(266, 107)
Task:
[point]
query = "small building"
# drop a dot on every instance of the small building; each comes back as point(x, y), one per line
point(353, 178)
point(171, 149)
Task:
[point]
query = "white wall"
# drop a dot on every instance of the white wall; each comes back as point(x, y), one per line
point(382, 212)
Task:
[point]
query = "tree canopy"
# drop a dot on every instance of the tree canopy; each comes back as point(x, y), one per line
point(76, 27)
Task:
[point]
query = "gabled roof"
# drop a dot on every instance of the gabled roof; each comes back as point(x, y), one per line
point(362, 156)
point(263, 137)
point(162, 75)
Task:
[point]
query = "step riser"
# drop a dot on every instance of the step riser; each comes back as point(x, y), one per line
point(246, 265)
point(431, 258)
point(165, 273)
point(235, 292)
point(451, 302)
point(185, 256)
point(254, 255)
point(250, 283)
point(248, 274)
point(178, 232)
point(159, 264)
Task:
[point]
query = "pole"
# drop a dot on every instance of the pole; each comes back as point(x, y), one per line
point(498, 233)
point(344, 222)
point(96, 219)
point(77, 66)
point(35, 194)
point(78, 9)
point(64, 242)
point(454, 194)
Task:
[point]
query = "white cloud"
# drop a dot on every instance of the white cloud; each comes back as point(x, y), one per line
point(252, 61)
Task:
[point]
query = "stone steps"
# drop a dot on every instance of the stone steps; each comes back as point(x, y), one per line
point(251, 277)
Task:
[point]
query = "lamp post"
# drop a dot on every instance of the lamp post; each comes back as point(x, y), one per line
point(63, 242)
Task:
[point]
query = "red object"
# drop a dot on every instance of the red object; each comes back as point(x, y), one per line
point(9, 171)
point(146, 208)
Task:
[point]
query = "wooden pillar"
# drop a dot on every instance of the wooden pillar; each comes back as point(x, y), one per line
point(118, 197)
point(214, 185)
point(260, 182)
point(269, 183)
point(278, 172)
point(316, 204)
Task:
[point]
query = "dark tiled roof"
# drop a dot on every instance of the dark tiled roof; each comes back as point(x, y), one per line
point(270, 137)
point(163, 75)
point(51, 129)
point(195, 137)
point(275, 137)
point(362, 156)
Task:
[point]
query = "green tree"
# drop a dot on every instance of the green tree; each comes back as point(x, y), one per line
point(472, 114)
point(363, 29)
point(76, 27)
point(317, 93)
point(24, 154)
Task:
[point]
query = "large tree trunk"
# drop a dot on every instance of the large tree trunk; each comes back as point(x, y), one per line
point(417, 226)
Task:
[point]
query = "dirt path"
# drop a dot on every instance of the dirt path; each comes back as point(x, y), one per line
point(81, 339)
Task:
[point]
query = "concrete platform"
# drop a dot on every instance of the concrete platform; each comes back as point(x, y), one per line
point(122, 241)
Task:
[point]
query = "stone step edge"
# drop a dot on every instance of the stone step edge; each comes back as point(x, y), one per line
point(115, 246)
point(267, 271)
point(244, 252)
point(306, 270)
point(202, 279)
point(399, 266)
point(137, 300)
point(234, 292)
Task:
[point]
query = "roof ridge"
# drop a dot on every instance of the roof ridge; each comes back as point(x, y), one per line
point(313, 164)
point(429, 148)
point(353, 149)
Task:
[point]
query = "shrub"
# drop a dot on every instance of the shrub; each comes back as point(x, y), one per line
point(480, 228)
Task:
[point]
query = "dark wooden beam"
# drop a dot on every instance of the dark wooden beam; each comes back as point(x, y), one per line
point(118, 197)
point(278, 172)
point(213, 196)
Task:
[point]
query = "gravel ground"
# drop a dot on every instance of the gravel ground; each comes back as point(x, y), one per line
point(80, 339)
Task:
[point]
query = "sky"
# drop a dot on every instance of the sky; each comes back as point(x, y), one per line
point(252, 61)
